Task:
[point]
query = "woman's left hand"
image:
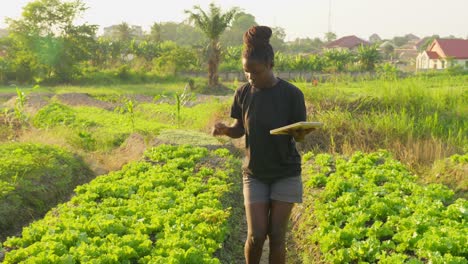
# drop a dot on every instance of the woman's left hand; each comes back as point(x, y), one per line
point(299, 134)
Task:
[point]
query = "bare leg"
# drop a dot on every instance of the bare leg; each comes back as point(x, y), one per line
point(279, 217)
point(257, 224)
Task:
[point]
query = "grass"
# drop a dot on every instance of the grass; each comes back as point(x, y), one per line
point(368, 115)
point(145, 89)
point(152, 89)
point(95, 129)
point(452, 172)
point(33, 178)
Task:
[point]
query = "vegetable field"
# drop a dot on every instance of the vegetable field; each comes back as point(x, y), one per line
point(165, 209)
point(369, 208)
point(130, 174)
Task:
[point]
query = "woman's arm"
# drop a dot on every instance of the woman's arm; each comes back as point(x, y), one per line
point(236, 130)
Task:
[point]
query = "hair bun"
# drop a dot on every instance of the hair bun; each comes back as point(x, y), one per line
point(258, 36)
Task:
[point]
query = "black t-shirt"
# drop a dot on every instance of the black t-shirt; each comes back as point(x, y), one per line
point(269, 157)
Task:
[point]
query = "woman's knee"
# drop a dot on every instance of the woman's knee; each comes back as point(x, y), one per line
point(277, 237)
point(256, 238)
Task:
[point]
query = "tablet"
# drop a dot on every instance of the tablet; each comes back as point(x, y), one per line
point(296, 126)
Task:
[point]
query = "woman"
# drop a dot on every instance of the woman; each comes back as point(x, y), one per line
point(272, 167)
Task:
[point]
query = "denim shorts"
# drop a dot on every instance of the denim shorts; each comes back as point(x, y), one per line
point(285, 190)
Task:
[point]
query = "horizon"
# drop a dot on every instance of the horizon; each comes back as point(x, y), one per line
point(347, 17)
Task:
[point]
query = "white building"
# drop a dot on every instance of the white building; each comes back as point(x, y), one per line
point(443, 53)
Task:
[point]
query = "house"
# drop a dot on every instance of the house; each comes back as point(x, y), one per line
point(443, 53)
point(347, 43)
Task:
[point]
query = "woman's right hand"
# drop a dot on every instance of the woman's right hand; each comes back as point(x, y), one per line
point(219, 129)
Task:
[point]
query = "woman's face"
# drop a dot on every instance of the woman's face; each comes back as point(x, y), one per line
point(257, 73)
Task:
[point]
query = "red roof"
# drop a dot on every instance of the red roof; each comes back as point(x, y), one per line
point(432, 55)
point(347, 42)
point(455, 48)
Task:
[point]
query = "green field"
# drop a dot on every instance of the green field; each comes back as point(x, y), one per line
point(394, 146)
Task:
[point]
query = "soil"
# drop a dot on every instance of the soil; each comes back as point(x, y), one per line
point(34, 101)
point(83, 99)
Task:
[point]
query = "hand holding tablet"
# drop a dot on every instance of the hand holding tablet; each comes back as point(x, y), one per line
point(297, 130)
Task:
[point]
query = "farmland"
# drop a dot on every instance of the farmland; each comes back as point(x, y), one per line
point(140, 180)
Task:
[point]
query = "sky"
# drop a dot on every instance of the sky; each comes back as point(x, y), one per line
point(299, 18)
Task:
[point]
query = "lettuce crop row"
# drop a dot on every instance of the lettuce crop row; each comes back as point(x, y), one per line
point(371, 210)
point(164, 209)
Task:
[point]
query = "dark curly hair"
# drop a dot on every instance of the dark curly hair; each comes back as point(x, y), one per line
point(257, 45)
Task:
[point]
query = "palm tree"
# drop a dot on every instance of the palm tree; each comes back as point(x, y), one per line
point(213, 25)
point(368, 56)
point(124, 32)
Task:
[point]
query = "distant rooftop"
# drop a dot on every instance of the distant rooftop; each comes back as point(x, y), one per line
point(455, 48)
point(347, 42)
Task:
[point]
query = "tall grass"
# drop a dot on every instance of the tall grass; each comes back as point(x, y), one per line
point(421, 118)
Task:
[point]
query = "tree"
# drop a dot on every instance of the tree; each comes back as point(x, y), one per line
point(277, 38)
point(232, 58)
point(337, 60)
point(47, 43)
point(240, 24)
point(124, 33)
point(174, 58)
point(305, 45)
point(428, 41)
point(374, 38)
point(213, 25)
point(181, 33)
point(368, 56)
point(329, 37)
point(155, 33)
point(388, 50)
point(400, 41)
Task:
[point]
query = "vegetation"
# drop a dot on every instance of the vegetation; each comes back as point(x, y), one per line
point(166, 209)
point(46, 44)
point(34, 178)
point(178, 204)
point(419, 119)
point(369, 208)
point(213, 25)
point(451, 172)
point(47, 32)
point(91, 128)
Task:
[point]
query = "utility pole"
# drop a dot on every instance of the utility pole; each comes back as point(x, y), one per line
point(329, 16)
